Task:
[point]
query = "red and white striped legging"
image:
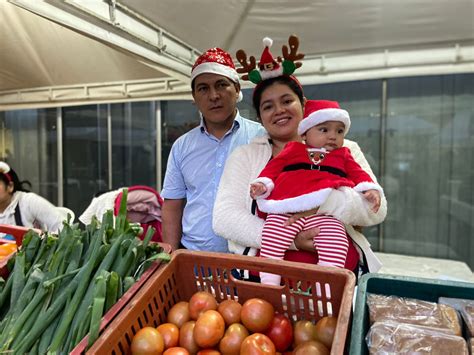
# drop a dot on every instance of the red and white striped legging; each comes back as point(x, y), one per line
point(331, 242)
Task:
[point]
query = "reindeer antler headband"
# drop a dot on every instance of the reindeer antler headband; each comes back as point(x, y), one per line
point(269, 67)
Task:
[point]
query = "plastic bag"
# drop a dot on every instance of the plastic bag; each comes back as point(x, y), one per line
point(412, 311)
point(396, 338)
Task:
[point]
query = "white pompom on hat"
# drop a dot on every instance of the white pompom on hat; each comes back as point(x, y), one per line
point(319, 111)
point(4, 167)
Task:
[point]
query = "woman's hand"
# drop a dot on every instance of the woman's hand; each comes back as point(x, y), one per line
point(304, 239)
point(298, 215)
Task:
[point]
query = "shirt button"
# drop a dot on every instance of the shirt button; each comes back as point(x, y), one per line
point(219, 165)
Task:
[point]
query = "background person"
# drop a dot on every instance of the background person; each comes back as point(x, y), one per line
point(197, 158)
point(300, 178)
point(20, 207)
point(143, 206)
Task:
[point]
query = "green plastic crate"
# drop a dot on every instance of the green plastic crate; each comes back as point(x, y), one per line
point(403, 286)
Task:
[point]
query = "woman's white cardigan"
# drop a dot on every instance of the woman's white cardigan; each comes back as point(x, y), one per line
point(233, 220)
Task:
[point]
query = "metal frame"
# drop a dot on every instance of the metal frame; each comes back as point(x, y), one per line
point(60, 167)
point(383, 142)
point(159, 161)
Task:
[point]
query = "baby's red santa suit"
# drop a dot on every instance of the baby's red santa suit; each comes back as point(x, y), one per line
point(295, 183)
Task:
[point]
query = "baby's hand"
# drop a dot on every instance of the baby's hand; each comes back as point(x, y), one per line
point(373, 196)
point(257, 189)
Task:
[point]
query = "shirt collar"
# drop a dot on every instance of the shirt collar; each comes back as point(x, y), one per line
point(236, 124)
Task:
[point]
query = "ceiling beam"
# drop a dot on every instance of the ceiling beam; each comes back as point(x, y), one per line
point(116, 25)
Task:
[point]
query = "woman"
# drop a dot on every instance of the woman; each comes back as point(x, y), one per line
point(143, 206)
point(279, 103)
point(20, 207)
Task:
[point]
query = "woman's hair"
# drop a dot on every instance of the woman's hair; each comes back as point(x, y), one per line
point(289, 81)
point(11, 176)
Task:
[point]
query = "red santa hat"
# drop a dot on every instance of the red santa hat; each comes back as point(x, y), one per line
point(5, 170)
point(269, 67)
point(216, 61)
point(319, 111)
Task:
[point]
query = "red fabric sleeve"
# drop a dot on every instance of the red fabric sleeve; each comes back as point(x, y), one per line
point(275, 166)
point(354, 171)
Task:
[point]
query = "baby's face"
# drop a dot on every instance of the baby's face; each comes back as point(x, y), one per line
point(329, 134)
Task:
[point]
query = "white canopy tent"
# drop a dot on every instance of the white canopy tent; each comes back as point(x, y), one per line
point(84, 51)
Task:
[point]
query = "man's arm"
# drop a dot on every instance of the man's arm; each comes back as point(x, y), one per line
point(172, 215)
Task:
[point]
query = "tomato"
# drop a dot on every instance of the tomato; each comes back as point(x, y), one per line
point(200, 302)
point(170, 334)
point(325, 329)
point(177, 350)
point(230, 311)
point(304, 331)
point(179, 314)
point(186, 337)
point(257, 344)
point(233, 338)
point(280, 332)
point(208, 352)
point(257, 315)
point(209, 329)
point(147, 341)
point(312, 347)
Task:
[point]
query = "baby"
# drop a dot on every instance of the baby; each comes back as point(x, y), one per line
point(301, 178)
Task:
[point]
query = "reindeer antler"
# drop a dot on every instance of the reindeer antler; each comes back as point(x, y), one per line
point(292, 55)
point(246, 67)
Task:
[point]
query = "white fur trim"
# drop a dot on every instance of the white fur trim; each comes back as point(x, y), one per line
point(268, 74)
point(295, 204)
point(4, 167)
point(215, 68)
point(364, 186)
point(268, 184)
point(324, 115)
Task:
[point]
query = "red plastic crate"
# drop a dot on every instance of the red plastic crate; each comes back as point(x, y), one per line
point(329, 292)
point(122, 302)
point(18, 233)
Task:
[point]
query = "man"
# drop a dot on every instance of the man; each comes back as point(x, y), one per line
point(197, 158)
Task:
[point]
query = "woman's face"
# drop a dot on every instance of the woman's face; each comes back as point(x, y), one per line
point(281, 112)
point(6, 191)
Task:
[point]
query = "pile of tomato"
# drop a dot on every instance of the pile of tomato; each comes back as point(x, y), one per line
point(204, 327)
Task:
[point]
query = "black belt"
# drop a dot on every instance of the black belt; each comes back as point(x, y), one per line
point(307, 166)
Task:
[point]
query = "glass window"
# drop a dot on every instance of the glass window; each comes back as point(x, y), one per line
point(363, 101)
point(28, 142)
point(178, 117)
point(430, 165)
point(134, 144)
point(85, 154)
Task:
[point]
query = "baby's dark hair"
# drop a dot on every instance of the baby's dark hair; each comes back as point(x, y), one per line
point(284, 80)
point(12, 176)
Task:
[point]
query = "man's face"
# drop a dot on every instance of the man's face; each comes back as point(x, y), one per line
point(215, 96)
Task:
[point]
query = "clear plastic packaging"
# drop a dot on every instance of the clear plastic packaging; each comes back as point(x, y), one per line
point(412, 311)
point(465, 307)
point(395, 338)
